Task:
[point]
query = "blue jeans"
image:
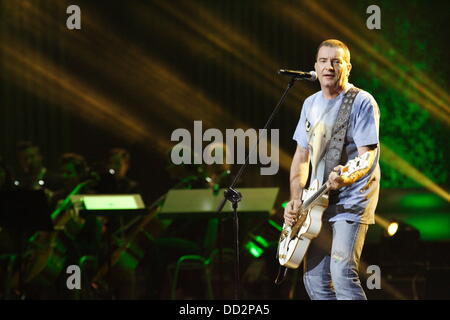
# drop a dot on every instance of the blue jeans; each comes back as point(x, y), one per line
point(331, 264)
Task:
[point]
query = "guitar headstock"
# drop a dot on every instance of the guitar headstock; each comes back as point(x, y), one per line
point(359, 163)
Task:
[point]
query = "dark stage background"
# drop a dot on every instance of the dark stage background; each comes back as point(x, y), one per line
point(138, 70)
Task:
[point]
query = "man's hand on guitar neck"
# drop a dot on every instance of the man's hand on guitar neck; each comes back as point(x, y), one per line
point(290, 211)
point(337, 181)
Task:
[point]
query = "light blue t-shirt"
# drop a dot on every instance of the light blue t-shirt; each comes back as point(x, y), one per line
point(356, 202)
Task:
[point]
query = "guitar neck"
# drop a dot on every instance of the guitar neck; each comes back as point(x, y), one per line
point(352, 166)
point(319, 193)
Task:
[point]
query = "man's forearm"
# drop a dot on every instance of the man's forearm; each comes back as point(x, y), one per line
point(299, 173)
point(298, 182)
point(352, 178)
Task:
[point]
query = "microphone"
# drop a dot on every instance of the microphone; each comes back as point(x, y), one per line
point(299, 75)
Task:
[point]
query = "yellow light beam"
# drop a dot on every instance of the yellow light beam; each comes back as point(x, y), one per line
point(303, 20)
point(154, 71)
point(369, 49)
point(381, 221)
point(193, 101)
point(90, 105)
point(225, 37)
point(390, 158)
point(374, 38)
point(211, 52)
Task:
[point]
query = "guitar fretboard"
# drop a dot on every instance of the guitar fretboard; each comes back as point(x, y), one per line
point(322, 190)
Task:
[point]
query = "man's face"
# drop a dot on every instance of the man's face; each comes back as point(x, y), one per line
point(119, 165)
point(69, 175)
point(331, 68)
point(30, 159)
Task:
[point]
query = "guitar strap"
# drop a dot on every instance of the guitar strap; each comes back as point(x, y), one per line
point(334, 153)
point(282, 271)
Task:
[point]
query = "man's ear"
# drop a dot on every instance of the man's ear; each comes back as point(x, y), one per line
point(349, 67)
point(315, 67)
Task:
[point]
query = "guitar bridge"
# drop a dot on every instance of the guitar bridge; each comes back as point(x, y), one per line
point(284, 234)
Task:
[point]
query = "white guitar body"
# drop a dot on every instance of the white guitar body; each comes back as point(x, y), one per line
point(294, 241)
point(292, 251)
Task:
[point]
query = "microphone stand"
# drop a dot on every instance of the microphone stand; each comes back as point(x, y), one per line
point(235, 196)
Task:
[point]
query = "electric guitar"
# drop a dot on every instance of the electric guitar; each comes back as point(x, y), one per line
point(294, 240)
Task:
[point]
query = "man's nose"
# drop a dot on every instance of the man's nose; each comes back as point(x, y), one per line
point(329, 65)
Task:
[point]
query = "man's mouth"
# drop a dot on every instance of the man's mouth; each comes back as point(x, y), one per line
point(328, 75)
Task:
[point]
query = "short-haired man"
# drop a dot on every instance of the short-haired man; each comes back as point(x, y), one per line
point(332, 261)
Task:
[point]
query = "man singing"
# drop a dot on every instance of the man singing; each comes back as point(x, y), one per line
point(331, 264)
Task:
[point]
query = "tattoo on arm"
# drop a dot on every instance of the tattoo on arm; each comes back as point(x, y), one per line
point(361, 173)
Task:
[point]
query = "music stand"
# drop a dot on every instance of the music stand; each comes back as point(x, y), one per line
point(202, 203)
point(108, 205)
point(24, 212)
